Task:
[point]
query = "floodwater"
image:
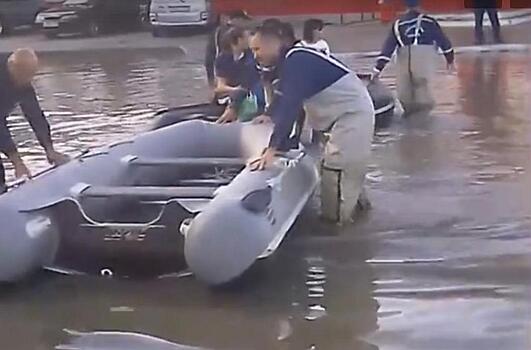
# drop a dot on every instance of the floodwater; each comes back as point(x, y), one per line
point(442, 261)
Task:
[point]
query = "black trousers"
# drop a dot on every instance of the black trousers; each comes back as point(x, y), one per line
point(2, 178)
point(479, 14)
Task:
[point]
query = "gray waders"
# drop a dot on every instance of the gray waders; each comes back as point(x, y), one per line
point(415, 71)
point(344, 112)
point(344, 165)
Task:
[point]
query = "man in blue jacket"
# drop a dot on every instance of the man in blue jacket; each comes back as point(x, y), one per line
point(16, 73)
point(415, 37)
point(336, 102)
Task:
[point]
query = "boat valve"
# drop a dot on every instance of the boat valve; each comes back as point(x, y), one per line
point(185, 226)
point(106, 273)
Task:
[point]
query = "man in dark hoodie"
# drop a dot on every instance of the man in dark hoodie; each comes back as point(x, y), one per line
point(16, 74)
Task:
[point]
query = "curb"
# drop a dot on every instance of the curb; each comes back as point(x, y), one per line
point(180, 50)
point(458, 50)
point(467, 19)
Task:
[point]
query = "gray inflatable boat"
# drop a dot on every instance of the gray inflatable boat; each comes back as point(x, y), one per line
point(144, 205)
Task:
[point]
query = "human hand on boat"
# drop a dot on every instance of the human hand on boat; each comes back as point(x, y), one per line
point(262, 119)
point(264, 161)
point(57, 158)
point(21, 170)
point(228, 116)
point(375, 75)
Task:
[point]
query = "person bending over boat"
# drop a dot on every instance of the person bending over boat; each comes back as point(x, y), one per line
point(238, 79)
point(415, 36)
point(313, 36)
point(336, 102)
point(270, 78)
point(16, 74)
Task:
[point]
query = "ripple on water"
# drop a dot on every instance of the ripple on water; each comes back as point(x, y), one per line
point(104, 340)
point(315, 283)
point(442, 292)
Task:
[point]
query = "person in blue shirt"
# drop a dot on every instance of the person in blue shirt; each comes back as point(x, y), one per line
point(336, 102)
point(270, 78)
point(16, 74)
point(415, 37)
point(237, 76)
point(238, 18)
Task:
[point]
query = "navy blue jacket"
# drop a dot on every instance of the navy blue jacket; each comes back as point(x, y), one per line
point(213, 49)
point(242, 72)
point(403, 33)
point(303, 74)
point(10, 97)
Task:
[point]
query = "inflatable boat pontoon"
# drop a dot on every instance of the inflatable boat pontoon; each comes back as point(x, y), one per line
point(177, 192)
point(382, 98)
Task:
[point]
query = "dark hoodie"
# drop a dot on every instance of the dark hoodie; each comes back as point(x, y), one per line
point(10, 97)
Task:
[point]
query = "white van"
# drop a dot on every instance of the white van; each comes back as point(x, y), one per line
point(165, 14)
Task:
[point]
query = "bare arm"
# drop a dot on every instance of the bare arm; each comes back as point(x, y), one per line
point(222, 88)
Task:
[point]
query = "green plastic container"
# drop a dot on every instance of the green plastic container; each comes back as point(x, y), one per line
point(248, 109)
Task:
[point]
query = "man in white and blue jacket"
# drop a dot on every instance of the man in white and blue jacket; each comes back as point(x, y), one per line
point(336, 102)
point(415, 37)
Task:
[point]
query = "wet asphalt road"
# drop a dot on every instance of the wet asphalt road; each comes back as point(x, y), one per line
point(441, 262)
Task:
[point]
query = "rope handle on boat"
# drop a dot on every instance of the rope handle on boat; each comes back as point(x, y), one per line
point(287, 162)
point(185, 226)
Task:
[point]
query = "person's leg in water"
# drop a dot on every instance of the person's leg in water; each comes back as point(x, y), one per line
point(496, 27)
point(3, 187)
point(478, 15)
point(415, 70)
point(344, 166)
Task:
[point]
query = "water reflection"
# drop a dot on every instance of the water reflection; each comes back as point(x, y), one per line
point(441, 262)
point(107, 340)
point(484, 82)
point(266, 310)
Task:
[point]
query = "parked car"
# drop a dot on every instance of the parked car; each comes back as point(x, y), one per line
point(91, 17)
point(47, 5)
point(167, 14)
point(16, 13)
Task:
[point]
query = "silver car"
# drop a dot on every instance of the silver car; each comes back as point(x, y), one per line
point(167, 14)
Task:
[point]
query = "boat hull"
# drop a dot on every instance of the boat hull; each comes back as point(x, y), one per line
point(117, 211)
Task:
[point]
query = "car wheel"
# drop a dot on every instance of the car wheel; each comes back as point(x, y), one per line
point(94, 29)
